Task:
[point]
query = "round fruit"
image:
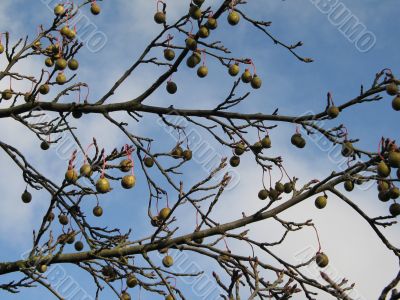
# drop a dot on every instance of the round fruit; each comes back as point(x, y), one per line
point(234, 70)
point(384, 196)
point(44, 89)
point(263, 194)
point(97, 211)
point(7, 94)
point(71, 176)
point(159, 17)
point(195, 12)
point(383, 169)
point(28, 97)
point(383, 185)
point(347, 149)
point(61, 78)
point(322, 260)
point(78, 246)
point(394, 159)
point(257, 147)
point(234, 161)
point(1, 48)
point(50, 217)
point(49, 62)
point(148, 162)
point(212, 23)
point(44, 145)
point(288, 187)
point(36, 45)
point(273, 194)
point(95, 9)
point(202, 71)
point(240, 149)
point(71, 34)
point(320, 202)
point(191, 43)
point(333, 112)
point(279, 187)
point(128, 181)
point(70, 239)
point(86, 170)
point(256, 82)
point(348, 185)
point(204, 32)
point(394, 193)
point(177, 152)
point(132, 281)
point(61, 64)
point(169, 297)
point(246, 76)
point(26, 197)
point(108, 271)
point(125, 165)
point(103, 185)
point(171, 87)
point(42, 268)
point(59, 10)
point(169, 54)
point(394, 209)
point(396, 103)
point(266, 142)
point(168, 261)
point(73, 64)
point(193, 60)
point(164, 213)
point(125, 296)
point(65, 30)
point(77, 114)
point(63, 219)
point(233, 18)
point(392, 89)
point(297, 140)
point(187, 154)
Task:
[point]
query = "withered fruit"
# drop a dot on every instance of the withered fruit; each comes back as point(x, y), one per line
point(95, 8)
point(70, 238)
point(347, 149)
point(273, 194)
point(164, 213)
point(171, 87)
point(195, 12)
point(132, 281)
point(198, 240)
point(297, 140)
point(169, 54)
point(394, 159)
point(125, 165)
point(279, 187)
point(44, 89)
point(246, 76)
point(73, 64)
point(59, 10)
point(168, 261)
point(191, 43)
point(234, 161)
point(44, 145)
point(212, 23)
point(86, 170)
point(202, 71)
point(61, 78)
point(50, 217)
point(383, 169)
point(78, 246)
point(322, 260)
point(49, 62)
point(263, 194)
point(97, 211)
point(257, 147)
point(321, 202)
point(233, 18)
point(333, 112)
point(77, 114)
point(240, 148)
point(204, 32)
point(392, 89)
point(348, 185)
point(288, 187)
point(108, 271)
point(256, 82)
point(148, 162)
point(159, 17)
point(394, 209)
point(128, 181)
point(396, 103)
point(234, 69)
point(187, 154)
point(103, 185)
point(266, 142)
point(71, 176)
point(26, 197)
point(63, 219)
point(61, 64)
point(7, 94)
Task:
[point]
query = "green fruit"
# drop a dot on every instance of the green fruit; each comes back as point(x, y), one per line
point(266, 142)
point(246, 76)
point(394, 209)
point(320, 202)
point(97, 211)
point(256, 147)
point(384, 196)
point(49, 62)
point(125, 296)
point(73, 64)
point(333, 112)
point(394, 193)
point(233, 18)
point(168, 261)
point(322, 260)
point(279, 187)
point(44, 89)
point(164, 213)
point(65, 30)
point(78, 246)
point(132, 281)
point(195, 12)
point(159, 17)
point(263, 194)
point(61, 78)
point(395, 103)
point(61, 64)
point(42, 268)
point(44, 145)
point(193, 60)
point(273, 194)
point(71, 34)
point(348, 185)
point(288, 187)
point(7, 94)
point(297, 140)
point(191, 43)
point(392, 89)
point(103, 185)
point(169, 54)
point(240, 148)
point(71, 176)
point(148, 162)
point(347, 149)
point(187, 154)
point(234, 161)
point(1, 48)
point(234, 70)
point(256, 82)
point(383, 169)
point(86, 170)
point(63, 219)
point(204, 32)
point(202, 71)
point(171, 87)
point(59, 10)
point(212, 23)
point(95, 8)
point(128, 181)
point(26, 197)
point(383, 185)
point(394, 159)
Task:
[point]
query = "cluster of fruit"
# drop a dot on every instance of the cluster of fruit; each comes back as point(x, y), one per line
point(241, 148)
point(393, 90)
point(274, 193)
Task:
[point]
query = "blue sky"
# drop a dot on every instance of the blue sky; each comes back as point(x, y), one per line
point(292, 86)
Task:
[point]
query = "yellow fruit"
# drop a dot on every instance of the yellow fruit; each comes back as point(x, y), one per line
point(103, 185)
point(234, 70)
point(159, 17)
point(392, 89)
point(320, 202)
point(383, 169)
point(44, 89)
point(71, 176)
point(7, 94)
point(59, 10)
point(1, 48)
point(95, 8)
point(333, 112)
point(233, 18)
point(132, 281)
point(246, 76)
point(168, 261)
point(125, 165)
point(61, 78)
point(202, 71)
point(86, 170)
point(256, 82)
point(164, 213)
point(322, 260)
point(128, 181)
